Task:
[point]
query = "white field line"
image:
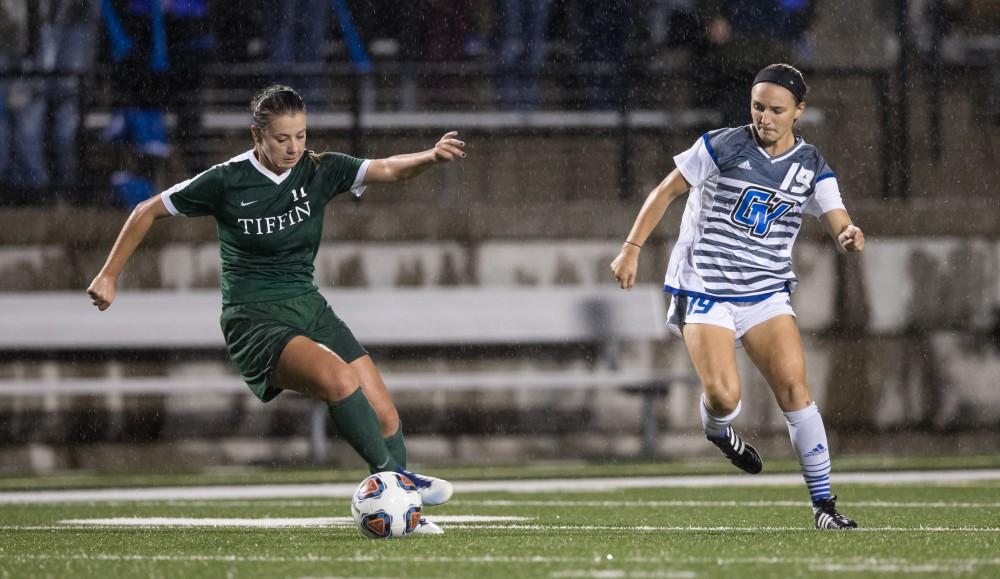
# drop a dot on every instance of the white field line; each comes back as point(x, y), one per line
point(907, 568)
point(268, 523)
point(343, 490)
point(827, 568)
point(349, 577)
point(700, 504)
point(692, 529)
point(622, 574)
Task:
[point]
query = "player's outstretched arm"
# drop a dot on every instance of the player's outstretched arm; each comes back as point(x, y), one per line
point(847, 235)
point(102, 289)
point(403, 167)
point(624, 266)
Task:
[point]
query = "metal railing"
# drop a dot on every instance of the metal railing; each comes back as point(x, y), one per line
point(221, 104)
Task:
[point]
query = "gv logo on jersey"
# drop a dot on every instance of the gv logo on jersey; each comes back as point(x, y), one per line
point(757, 209)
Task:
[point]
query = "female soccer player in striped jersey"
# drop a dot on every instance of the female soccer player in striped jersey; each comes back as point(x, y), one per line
point(269, 206)
point(730, 272)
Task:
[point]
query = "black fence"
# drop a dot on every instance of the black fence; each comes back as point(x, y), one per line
point(638, 102)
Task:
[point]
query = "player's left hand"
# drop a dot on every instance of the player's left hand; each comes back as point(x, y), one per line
point(449, 148)
point(851, 239)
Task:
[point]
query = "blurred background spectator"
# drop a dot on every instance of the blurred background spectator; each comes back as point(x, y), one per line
point(157, 51)
point(609, 37)
point(411, 36)
point(738, 37)
point(52, 43)
point(14, 27)
point(297, 32)
point(522, 27)
point(425, 55)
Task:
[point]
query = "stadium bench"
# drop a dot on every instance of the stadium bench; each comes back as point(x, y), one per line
point(49, 323)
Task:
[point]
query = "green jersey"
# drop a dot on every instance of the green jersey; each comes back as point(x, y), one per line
point(269, 225)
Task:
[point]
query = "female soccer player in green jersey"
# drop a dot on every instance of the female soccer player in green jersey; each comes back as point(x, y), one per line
point(268, 203)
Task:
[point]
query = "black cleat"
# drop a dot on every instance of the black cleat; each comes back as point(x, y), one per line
point(741, 454)
point(827, 516)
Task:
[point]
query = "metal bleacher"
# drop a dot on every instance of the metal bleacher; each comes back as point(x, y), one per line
point(53, 325)
point(359, 107)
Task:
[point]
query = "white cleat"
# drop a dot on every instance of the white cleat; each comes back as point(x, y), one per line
point(427, 528)
point(433, 491)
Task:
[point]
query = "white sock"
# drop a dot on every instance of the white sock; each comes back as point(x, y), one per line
point(808, 434)
point(715, 426)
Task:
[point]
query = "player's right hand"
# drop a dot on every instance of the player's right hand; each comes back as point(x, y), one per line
point(102, 291)
point(624, 267)
point(449, 148)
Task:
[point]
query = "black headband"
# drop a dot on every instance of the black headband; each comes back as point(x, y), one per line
point(784, 78)
point(271, 93)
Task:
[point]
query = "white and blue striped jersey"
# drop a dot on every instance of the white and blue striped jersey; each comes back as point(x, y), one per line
point(743, 213)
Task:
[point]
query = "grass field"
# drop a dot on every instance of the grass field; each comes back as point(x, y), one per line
point(712, 528)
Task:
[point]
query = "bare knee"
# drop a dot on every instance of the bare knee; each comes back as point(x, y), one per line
point(336, 383)
point(722, 398)
point(389, 418)
point(791, 396)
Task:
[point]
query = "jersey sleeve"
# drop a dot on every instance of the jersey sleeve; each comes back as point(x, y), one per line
point(698, 163)
point(342, 173)
point(197, 196)
point(826, 193)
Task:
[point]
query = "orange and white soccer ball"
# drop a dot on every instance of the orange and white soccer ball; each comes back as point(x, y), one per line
point(386, 506)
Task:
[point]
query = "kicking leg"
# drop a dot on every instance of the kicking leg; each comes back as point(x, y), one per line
point(713, 354)
point(775, 347)
point(432, 490)
point(314, 370)
point(377, 393)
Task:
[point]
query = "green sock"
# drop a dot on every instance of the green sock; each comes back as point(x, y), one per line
point(397, 446)
point(359, 425)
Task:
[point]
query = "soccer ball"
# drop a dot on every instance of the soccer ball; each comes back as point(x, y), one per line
point(386, 506)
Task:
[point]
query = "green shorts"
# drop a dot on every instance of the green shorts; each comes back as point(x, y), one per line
point(256, 334)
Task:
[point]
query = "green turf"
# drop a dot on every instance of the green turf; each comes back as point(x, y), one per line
point(937, 530)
